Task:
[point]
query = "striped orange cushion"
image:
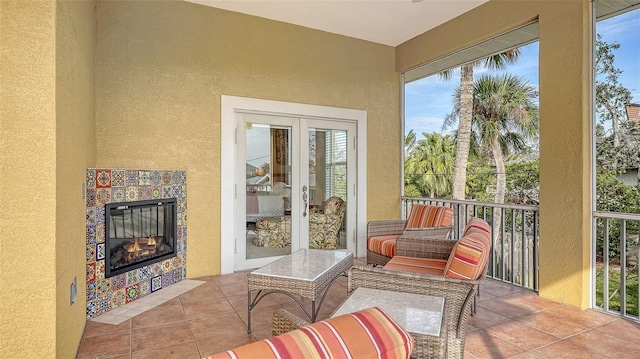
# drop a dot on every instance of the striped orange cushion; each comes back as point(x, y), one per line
point(469, 256)
point(476, 224)
point(417, 265)
point(369, 333)
point(424, 215)
point(385, 245)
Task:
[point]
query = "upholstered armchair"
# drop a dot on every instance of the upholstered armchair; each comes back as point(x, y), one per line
point(325, 225)
point(424, 221)
point(273, 232)
point(452, 269)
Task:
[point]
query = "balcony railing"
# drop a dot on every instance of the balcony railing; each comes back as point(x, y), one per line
point(615, 259)
point(514, 258)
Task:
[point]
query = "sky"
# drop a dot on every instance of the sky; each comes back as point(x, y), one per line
point(428, 101)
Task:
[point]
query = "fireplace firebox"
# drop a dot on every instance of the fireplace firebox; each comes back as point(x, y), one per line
point(138, 234)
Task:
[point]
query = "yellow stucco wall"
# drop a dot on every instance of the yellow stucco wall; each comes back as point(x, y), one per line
point(162, 66)
point(75, 152)
point(27, 180)
point(565, 152)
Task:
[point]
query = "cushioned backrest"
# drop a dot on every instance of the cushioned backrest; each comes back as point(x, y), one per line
point(470, 254)
point(334, 205)
point(477, 224)
point(369, 333)
point(425, 215)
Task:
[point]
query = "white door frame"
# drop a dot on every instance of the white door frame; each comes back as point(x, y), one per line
point(228, 163)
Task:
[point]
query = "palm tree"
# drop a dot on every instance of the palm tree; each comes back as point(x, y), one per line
point(495, 62)
point(504, 118)
point(429, 162)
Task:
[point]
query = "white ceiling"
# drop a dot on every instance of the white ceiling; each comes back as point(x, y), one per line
point(388, 22)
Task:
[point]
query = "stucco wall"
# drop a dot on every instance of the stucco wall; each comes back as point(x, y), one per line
point(162, 66)
point(75, 152)
point(565, 124)
point(27, 180)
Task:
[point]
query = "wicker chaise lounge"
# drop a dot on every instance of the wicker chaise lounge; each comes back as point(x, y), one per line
point(433, 267)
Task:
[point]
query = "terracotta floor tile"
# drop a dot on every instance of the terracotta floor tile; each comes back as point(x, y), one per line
point(187, 350)
point(484, 345)
point(486, 318)
point(567, 350)
point(160, 336)
point(607, 344)
point(203, 292)
point(205, 308)
point(217, 315)
point(551, 323)
point(159, 315)
point(215, 325)
point(107, 345)
point(219, 344)
point(521, 335)
point(506, 308)
point(622, 328)
point(92, 328)
point(587, 318)
point(231, 289)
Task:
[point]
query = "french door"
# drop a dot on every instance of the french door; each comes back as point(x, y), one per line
point(288, 168)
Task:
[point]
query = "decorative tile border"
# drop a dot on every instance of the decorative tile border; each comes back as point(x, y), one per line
point(106, 185)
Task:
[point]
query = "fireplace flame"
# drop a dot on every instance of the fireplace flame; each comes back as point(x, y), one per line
point(151, 241)
point(136, 247)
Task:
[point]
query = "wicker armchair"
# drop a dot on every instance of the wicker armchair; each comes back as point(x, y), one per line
point(423, 221)
point(458, 292)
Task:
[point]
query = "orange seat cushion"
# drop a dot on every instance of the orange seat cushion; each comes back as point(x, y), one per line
point(417, 265)
point(385, 245)
point(369, 333)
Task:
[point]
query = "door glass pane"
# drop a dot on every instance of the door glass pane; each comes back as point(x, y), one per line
point(327, 188)
point(268, 190)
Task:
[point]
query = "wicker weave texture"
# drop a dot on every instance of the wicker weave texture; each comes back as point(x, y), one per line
point(377, 259)
point(285, 321)
point(458, 296)
point(424, 247)
point(385, 228)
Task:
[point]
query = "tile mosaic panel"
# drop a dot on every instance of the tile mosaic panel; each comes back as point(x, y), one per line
point(105, 186)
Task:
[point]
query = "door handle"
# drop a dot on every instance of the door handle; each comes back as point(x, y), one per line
point(304, 198)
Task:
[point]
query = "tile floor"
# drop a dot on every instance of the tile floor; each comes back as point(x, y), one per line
point(510, 323)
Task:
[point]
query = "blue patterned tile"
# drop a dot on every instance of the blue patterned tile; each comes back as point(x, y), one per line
point(91, 234)
point(91, 309)
point(100, 253)
point(118, 282)
point(167, 279)
point(156, 283)
point(167, 178)
point(131, 193)
point(131, 178)
point(99, 213)
point(144, 178)
point(144, 193)
point(118, 194)
point(91, 197)
point(118, 178)
point(177, 177)
point(145, 288)
point(91, 254)
point(91, 179)
point(155, 178)
point(91, 216)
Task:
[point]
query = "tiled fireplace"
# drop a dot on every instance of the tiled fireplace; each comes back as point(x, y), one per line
point(126, 193)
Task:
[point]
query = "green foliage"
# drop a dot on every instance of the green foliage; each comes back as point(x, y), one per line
point(428, 165)
point(523, 182)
